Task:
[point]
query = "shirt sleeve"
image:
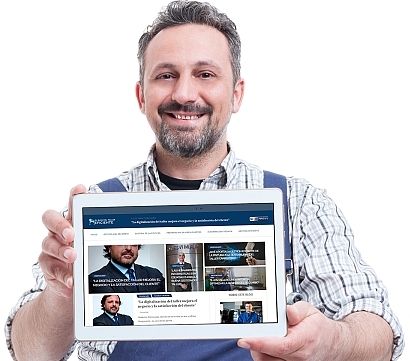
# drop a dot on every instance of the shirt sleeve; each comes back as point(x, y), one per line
point(39, 286)
point(332, 274)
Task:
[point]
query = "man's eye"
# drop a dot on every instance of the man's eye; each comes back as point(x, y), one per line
point(205, 75)
point(165, 76)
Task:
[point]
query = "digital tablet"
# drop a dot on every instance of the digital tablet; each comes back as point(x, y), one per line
point(179, 265)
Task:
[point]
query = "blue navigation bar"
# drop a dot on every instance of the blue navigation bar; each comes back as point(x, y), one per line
point(178, 219)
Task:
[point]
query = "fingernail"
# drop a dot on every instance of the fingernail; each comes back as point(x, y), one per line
point(244, 344)
point(67, 253)
point(67, 232)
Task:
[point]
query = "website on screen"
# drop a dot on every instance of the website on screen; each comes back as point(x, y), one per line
point(200, 264)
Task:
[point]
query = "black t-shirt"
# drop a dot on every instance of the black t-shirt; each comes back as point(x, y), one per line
point(179, 184)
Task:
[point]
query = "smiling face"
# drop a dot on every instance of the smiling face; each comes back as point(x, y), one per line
point(188, 94)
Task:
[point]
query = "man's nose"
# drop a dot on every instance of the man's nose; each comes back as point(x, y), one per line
point(185, 90)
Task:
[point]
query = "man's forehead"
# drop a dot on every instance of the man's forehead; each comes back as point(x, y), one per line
point(188, 43)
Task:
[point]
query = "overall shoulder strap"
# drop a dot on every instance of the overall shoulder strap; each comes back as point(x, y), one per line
point(112, 185)
point(273, 180)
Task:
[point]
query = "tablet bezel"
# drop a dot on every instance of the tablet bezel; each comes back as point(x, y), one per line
point(186, 331)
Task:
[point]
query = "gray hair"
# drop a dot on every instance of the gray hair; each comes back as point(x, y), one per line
point(182, 12)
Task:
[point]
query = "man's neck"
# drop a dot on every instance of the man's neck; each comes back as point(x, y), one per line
point(121, 267)
point(110, 314)
point(190, 168)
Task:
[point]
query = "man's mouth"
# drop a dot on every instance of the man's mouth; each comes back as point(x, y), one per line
point(185, 116)
point(184, 112)
point(127, 255)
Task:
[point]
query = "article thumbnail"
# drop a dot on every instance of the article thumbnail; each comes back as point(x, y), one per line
point(235, 278)
point(241, 312)
point(234, 254)
point(114, 269)
point(109, 312)
point(184, 267)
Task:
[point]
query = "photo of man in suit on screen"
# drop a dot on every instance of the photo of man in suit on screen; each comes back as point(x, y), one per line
point(122, 275)
point(110, 304)
point(181, 271)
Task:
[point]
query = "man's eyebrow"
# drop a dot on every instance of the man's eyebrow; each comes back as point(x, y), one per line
point(207, 63)
point(166, 65)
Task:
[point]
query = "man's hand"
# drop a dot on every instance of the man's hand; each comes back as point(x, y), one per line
point(311, 336)
point(57, 256)
point(360, 336)
point(43, 328)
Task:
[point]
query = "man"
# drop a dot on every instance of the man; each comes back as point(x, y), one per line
point(249, 316)
point(181, 273)
point(122, 267)
point(110, 304)
point(189, 86)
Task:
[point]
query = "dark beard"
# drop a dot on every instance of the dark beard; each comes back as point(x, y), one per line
point(110, 312)
point(127, 264)
point(184, 142)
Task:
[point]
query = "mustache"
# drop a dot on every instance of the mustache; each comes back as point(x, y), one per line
point(186, 108)
point(125, 253)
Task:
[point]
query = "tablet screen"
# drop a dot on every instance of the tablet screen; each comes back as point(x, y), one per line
point(186, 264)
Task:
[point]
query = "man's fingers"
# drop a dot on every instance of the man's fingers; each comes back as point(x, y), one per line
point(273, 346)
point(58, 225)
point(297, 312)
point(78, 189)
point(56, 272)
point(57, 256)
point(54, 248)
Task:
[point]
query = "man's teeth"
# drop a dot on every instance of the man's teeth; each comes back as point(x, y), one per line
point(186, 117)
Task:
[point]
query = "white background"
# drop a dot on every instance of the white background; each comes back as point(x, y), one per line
point(327, 99)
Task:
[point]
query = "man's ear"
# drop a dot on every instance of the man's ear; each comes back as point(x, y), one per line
point(139, 92)
point(238, 92)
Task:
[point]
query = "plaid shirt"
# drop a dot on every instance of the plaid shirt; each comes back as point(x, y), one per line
point(333, 277)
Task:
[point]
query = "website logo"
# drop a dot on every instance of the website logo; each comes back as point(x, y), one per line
point(101, 221)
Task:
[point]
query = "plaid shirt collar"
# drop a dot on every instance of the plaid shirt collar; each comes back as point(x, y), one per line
point(222, 176)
